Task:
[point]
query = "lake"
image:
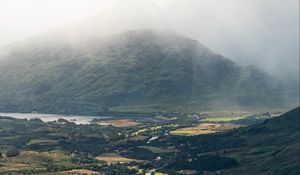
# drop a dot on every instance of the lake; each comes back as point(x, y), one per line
point(78, 119)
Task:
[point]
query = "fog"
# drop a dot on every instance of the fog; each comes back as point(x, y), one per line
point(250, 32)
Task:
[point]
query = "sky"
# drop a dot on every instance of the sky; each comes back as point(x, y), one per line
point(264, 33)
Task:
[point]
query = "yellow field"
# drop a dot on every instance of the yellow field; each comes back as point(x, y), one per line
point(222, 119)
point(190, 131)
point(33, 156)
point(81, 171)
point(112, 158)
point(159, 173)
point(203, 128)
point(118, 123)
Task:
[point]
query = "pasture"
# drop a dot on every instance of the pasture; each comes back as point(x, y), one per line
point(118, 123)
point(112, 158)
point(203, 128)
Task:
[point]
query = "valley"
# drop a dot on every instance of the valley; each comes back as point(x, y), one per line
point(149, 87)
point(126, 145)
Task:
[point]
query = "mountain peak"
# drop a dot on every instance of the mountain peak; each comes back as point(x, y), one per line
point(139, 67)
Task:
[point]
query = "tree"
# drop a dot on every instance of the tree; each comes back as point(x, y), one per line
point(12, 152)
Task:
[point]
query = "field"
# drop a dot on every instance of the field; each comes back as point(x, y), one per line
point(158, 150)
point(118, 123)
point(203, 128)
point(31, 161)
point(80, 171)
point(224, 116)
point(159, 173)
point(112, 158)
point(222, 119)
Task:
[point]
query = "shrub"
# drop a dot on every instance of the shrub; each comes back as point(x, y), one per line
point(12, 152)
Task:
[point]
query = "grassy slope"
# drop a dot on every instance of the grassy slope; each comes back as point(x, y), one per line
point(272, 147)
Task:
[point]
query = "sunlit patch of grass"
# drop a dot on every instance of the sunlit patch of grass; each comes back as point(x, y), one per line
point(38, 157)
point(119, 123)
point(31, 161)
point(190, 132)
point(222, 119)
point(203, 128)
point(115, 158)
point(81, 171)
point(160, 173)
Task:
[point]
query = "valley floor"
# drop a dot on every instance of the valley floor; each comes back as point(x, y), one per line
point(166, 143)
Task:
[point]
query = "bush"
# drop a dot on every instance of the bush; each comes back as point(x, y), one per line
point(12, 152)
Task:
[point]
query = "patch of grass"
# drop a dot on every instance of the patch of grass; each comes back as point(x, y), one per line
point(81, 171)
point(188, 132)
point(222, 119)
point(41, 142)
point(112, 158)
point(160, 173)
point(204, 128)
point(118, 123)
point(157, 150)
point(32, 161)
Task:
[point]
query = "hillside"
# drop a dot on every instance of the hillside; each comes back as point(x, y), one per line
point(146, 68)
point(271, 147)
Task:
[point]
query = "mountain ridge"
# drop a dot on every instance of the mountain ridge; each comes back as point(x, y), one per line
point(133, 67)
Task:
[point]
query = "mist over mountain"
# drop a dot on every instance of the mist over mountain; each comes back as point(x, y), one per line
point(154, 68)
point(260, 33)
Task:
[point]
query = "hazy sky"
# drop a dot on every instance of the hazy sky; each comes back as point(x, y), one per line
point(260, 32)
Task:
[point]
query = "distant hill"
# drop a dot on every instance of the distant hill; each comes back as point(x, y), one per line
point(133, 69)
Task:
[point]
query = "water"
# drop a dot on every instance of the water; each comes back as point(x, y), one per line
point(151, 139)
point(78, 119)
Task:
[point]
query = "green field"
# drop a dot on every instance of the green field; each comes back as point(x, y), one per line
point(222, 119)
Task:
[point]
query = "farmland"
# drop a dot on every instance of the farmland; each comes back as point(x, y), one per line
point(117, 123)
point(204, 128)
point(80, 171)
point(112, 158)
point(114, 145)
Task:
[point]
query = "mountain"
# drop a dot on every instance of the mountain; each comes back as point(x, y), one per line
point(276, 143)
point(272, 147)
point(138, 68)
